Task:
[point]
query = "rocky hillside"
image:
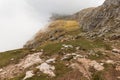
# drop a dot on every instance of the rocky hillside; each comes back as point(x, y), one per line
point(82, 46)
point(106, 15)
point(102, 21)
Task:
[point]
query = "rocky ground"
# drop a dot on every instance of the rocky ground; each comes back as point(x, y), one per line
point(73, 47)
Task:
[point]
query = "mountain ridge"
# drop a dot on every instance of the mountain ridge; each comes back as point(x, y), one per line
point(82, 46)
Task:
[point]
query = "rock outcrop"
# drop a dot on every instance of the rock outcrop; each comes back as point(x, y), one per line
point(103, 19)
point(106, 15)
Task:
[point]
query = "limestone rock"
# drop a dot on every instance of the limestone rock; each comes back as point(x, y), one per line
point(116, 50)
point(47, 69)
point(29, 74)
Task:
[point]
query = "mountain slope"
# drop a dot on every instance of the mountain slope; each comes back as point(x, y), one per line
point(103, 19)
point(82, 46)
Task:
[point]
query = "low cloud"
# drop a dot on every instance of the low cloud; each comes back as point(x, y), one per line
point(62, 6)
point(21, 19)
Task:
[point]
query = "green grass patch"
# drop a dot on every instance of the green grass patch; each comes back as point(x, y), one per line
point(61, 69)
point(100, 43)
point(97, 56)
point(51, 48)
point(5, 57)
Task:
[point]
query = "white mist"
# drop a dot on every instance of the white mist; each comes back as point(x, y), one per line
point(21, 19)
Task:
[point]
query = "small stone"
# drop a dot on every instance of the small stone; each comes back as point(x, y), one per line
point(29, 74)
point(101, 64)
point(67, 65)
point(97, 66)
point(12, 59)
point(116, 51)
point(77, 48)
point(118, 77)
point(51, 60)
point(67, 46)
point(1, 70)
point(117, 68)
point(41, 50)
point(62, 48)
point(109, 62)
point(33, 50)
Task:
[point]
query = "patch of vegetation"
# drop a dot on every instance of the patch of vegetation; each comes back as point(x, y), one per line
point(83, 43)
point(61, 69)
point(20, 77)
point(41, 77)
point(12, 56)
point(55, 47)
point(109, 67)
point(100, 43)
point(51, 48)
point(97, 76)
point(65, 24)
point(74, 32)
point(96, 56)
point(107, 47)
point(36, 77)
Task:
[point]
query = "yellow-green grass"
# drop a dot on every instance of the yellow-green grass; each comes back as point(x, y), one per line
point(64, 24)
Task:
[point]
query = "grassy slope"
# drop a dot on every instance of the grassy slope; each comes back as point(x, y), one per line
point(54, 47)
point(6, 57)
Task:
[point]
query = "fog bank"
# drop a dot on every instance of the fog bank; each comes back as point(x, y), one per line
point(21, 19)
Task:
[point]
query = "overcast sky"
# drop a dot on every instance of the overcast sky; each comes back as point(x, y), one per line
point(21, 19)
